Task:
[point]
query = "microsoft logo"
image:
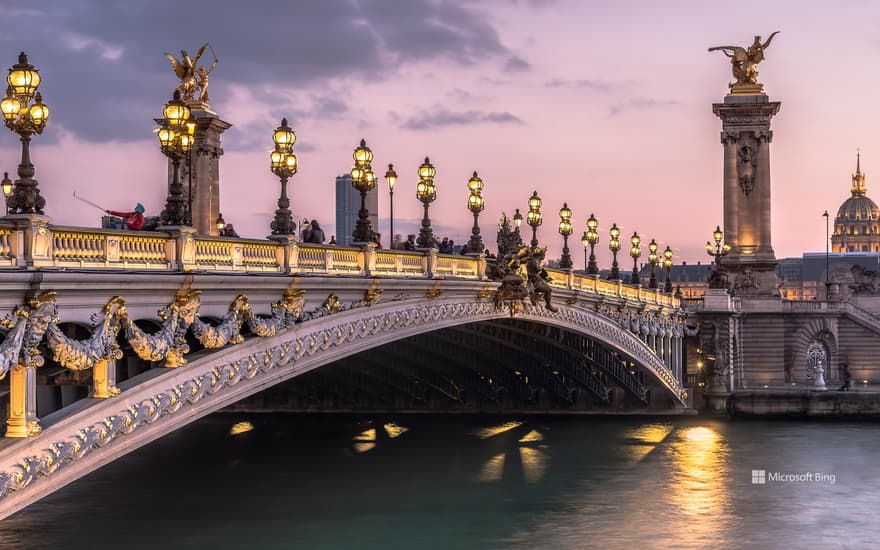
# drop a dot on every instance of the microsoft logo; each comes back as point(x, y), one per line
point(759, 477)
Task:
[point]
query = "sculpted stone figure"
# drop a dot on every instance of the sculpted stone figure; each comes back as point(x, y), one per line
point(191, 76)
point(745, 61)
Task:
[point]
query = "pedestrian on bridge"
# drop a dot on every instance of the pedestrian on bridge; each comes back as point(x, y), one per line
point(133, 220)
point(316, 234)
point(847, 378)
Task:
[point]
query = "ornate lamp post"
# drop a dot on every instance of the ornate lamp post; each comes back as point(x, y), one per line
point(426, 192)
point(534, 217)
point(475, 205)
point(363, 179)
point(586, 242)
point(565, 231)
point(517, 221)
point(391, 179)
point(653, 259)
point(667, 263)
point(719, 250)
point(6, 184)
point(592, 237)
point(635, 251)
point(176, 142)
point(717, 279)
point(614, 246)
point(220, 223)
point(25, 120)
point(283, 164)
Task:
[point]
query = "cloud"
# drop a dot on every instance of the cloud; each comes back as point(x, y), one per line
point(516, 64)
point(463, 95)
point(641, 103)
point(104, 59)
point(585, 84)
point(441, 117)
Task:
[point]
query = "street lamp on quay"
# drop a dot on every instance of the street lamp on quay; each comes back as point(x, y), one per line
point(176, 136)
point(534, 217)
point(426, 192)
point(6, 184)
point(475, 205)
point(517, 221)
point(614, 246)
point(391, 180)
point(283, 165)
point(363, 180)
point(667, 263)
point(827, 241)
point(635, 251)
point(653, 259)
point(565, 231)
point(25, 120)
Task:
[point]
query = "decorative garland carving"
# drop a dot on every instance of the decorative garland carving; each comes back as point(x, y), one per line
point(28, 324)
point(82, 355)
point(229, 329)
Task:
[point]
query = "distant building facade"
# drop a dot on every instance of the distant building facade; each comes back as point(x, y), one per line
point(348, 202)
point(857, 224)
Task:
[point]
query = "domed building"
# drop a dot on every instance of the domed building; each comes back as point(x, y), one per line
point(857, 225)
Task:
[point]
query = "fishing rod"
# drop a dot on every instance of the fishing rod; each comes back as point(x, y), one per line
point(87, 201)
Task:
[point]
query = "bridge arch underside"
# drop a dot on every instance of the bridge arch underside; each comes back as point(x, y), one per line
point(498, 365)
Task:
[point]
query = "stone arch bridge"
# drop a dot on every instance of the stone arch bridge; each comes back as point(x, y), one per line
point(237, 316)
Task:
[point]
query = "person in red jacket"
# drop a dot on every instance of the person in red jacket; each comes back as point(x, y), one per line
point(133, 220)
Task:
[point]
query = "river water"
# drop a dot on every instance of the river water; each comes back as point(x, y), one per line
point(474, 482)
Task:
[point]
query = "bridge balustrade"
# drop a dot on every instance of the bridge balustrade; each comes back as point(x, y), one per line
point(35, 245)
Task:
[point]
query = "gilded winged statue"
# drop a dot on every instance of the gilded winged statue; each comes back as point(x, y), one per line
point(191, 76)
point(745, 60)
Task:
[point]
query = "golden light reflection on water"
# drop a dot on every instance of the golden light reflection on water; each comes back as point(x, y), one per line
point(365, 440)
point(240, 428)
point(534, 464)
point(492, 431)
point(493, 469)
point(532, 437)
point(644, 439)
point(393, 430)
point(698, 487)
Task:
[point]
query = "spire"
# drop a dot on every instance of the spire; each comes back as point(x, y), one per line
point(858, 179)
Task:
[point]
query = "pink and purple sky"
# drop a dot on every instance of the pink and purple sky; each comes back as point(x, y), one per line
point(604, 105)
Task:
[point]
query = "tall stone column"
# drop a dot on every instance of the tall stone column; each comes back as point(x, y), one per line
point(746, 137)
point(205, 166)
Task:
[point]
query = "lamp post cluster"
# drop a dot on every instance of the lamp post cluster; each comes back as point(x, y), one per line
point(176, 137)
point(614, 246)
point(363, 180)
point(475, 205)
point(426, 192)
point(635, 251)
point(719, 249)
point(283, 164)
point(534, 217)
point(590, 238)
point(565, 231)
point(25, 119)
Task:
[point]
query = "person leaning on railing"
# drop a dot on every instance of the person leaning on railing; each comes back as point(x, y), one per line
point(133, 220)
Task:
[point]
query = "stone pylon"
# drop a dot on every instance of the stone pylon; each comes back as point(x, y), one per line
point(205, 166)
point(746, 137)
